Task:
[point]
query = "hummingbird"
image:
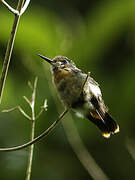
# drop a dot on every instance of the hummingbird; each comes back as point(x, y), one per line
point(81, 93)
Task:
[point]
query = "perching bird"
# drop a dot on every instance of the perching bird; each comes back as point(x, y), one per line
point(81, 93)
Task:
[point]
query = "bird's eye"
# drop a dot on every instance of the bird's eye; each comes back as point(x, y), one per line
point(54, 61)
point(65, 61)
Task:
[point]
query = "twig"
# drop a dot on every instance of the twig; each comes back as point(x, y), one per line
point(25, 7)
point(88, 74)
point(31, 150)
point(44, 134)
point(20, 109)
point(30, 85)
point(14, 11)
point(43, 108)
point(10, 8)
point(27, 100)
point(9, 49)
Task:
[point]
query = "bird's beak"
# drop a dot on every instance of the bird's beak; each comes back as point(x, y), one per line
point(45, 58)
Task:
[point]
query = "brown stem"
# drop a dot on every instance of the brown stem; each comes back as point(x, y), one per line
point(9, 49)
point(9, 7)
point(31, 150)
point(44, 134)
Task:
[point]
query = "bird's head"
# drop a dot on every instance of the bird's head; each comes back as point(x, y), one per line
point(59, 62)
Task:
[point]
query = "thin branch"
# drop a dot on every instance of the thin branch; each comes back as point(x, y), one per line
point(25, 7)
point(16, 12)
point(20, 109)
point(43, 108)
point(30, 85)
point(9, 49)
point(41, 136)
point(31, 150)
point(24, 113)
point(88, 74)
point(9, 110)
point(33, 95)
point(27, 100)
point(40, 112)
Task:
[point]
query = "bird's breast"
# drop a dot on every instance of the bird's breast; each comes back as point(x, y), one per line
point(69, 86)
point(59, 75)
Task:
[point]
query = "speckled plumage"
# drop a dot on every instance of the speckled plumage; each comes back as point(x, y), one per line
point(82, 96)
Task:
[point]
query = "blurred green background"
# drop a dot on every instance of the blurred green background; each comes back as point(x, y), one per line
point(99, 36)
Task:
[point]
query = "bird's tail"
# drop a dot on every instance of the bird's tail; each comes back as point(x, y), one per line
point(104, 122)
